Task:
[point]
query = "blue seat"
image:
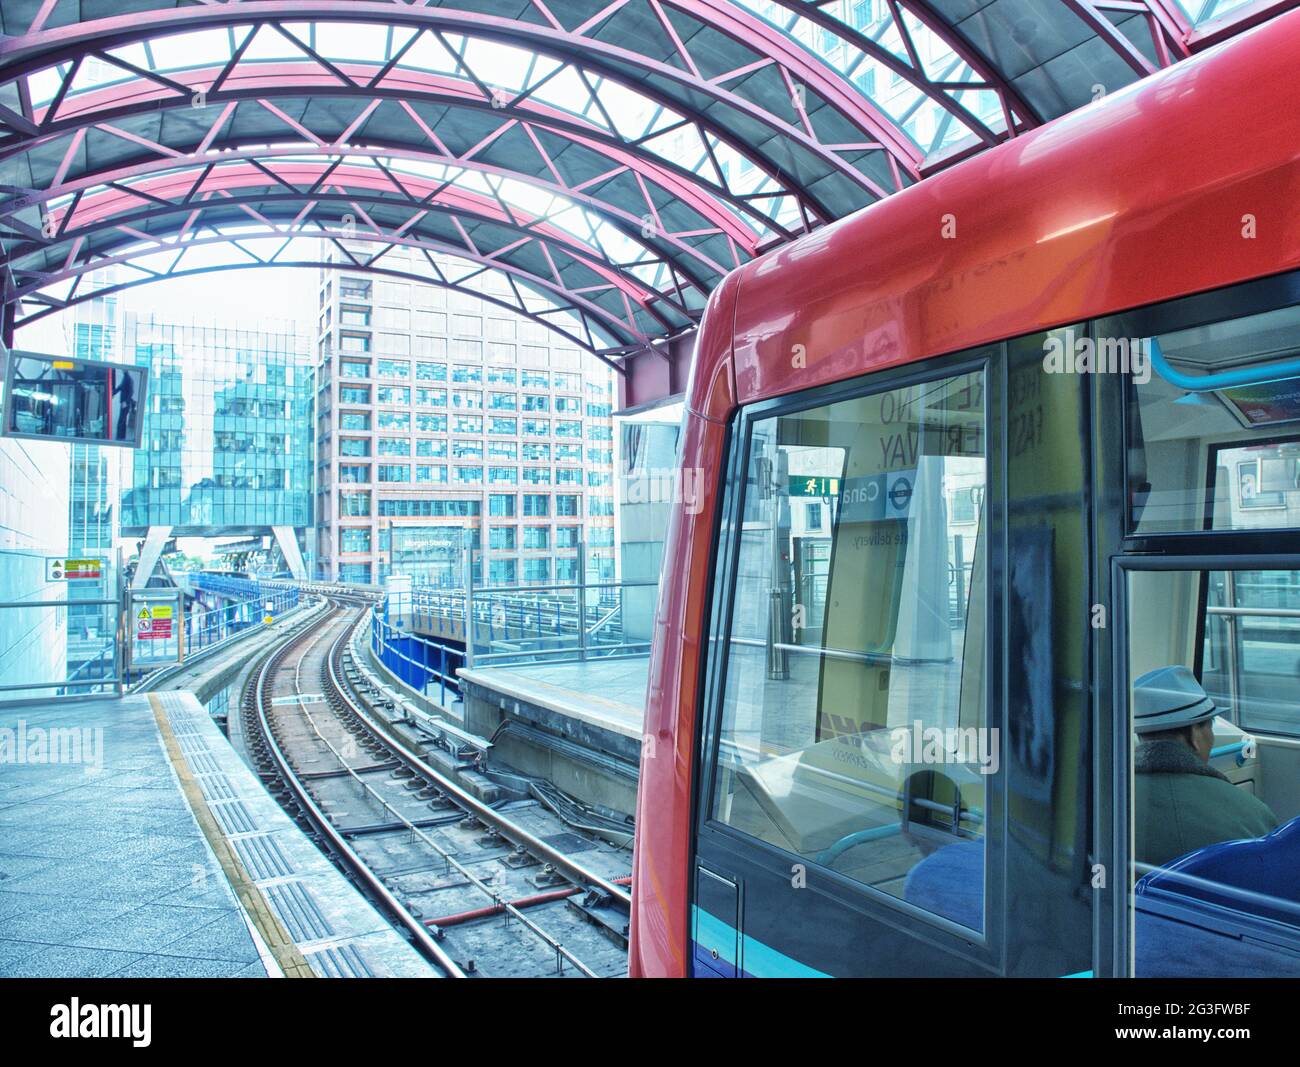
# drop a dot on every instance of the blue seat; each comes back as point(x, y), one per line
point(950, 882)
point(1230, 909)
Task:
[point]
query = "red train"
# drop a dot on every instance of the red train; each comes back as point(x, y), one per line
point(987, 453)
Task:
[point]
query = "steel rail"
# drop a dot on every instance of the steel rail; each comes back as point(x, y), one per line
point(485, 813)
point(417, 930)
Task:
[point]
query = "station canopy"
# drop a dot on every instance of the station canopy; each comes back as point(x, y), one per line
point(609, 160)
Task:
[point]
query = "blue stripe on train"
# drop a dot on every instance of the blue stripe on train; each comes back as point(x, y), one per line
point(760, 960)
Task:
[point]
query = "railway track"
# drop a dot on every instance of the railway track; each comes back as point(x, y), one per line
point(503, 891)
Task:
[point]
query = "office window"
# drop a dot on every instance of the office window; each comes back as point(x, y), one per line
point(467, 449)
point(537, 537)
point(394, 446)
point(427, 446)
point(568, 429)
point(470, 399)
point(568, 476)
point(537, 475)
point(354, 342)
point(394, 472)
point(354, 420)
point(503, 450)
point(502, 475)
point(563, 452)
point(393, 394)
point(430, 321)
point(535, 378)
point(431, 372)
point(468, 424)
point(431, 398)
point(600, 536)
point(462, 348)
point(567, 536)
point(352, 505)
point(469, 475)
point(536, 451)
point(537, 427)
point(501, 376)
point(354, 446)
point(537, 505)
point(537, 570)
point(431, 423)
point(426, 472)
point(393, 368)
point(566, 505)
point(600, 505)
point(536, 403)
point(508, 427)
point(501, 537)
point(568, 405)
point(502, 401)
point(354, 539)
point(354, 472)
point(394, 420)
point(354, 394)
point(501, 504)
point(597, 432)
point(502, 572)
point(353, 368)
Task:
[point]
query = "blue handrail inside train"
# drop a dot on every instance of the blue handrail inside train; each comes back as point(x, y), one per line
point(1204, 383)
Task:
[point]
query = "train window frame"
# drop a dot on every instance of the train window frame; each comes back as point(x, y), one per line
point(1240, 300)
point(986, 946)
point(1122, 778)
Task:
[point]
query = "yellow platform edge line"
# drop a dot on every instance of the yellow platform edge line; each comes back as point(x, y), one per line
point(281, 945)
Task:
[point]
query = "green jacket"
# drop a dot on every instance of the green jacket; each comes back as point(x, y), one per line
point(1183, 805)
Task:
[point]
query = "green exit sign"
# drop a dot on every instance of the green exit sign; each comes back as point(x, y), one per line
point(814, 486)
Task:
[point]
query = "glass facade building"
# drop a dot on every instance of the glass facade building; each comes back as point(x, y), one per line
point(446, 420)
point(227, 432)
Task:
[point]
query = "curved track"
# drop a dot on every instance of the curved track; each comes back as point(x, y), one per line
point(505, 890)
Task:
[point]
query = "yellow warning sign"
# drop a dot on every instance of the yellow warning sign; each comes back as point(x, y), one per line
point(153, 624)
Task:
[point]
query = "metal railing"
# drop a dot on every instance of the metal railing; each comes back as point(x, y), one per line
point(29, 638)
point(515, 624)
point(206, 628)
point(417, 661)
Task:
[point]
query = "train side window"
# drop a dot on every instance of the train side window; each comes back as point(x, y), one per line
point(1224, 458)
point(1213, 810)
point(853, 720)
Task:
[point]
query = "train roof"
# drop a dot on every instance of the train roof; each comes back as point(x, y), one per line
point(1195, 168)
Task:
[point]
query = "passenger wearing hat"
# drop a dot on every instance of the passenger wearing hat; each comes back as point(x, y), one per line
point(1182, 802)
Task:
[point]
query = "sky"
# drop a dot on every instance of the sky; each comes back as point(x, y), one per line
point(266, 294)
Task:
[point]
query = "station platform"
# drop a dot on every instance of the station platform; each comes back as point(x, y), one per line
point(578, 725)
point(134, 842)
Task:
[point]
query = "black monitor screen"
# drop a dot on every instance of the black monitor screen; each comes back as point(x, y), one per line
point(61, 399)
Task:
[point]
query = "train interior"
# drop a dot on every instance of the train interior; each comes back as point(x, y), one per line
point(1224, 459)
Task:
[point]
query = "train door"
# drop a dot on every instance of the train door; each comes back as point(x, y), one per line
point(1204, 702)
